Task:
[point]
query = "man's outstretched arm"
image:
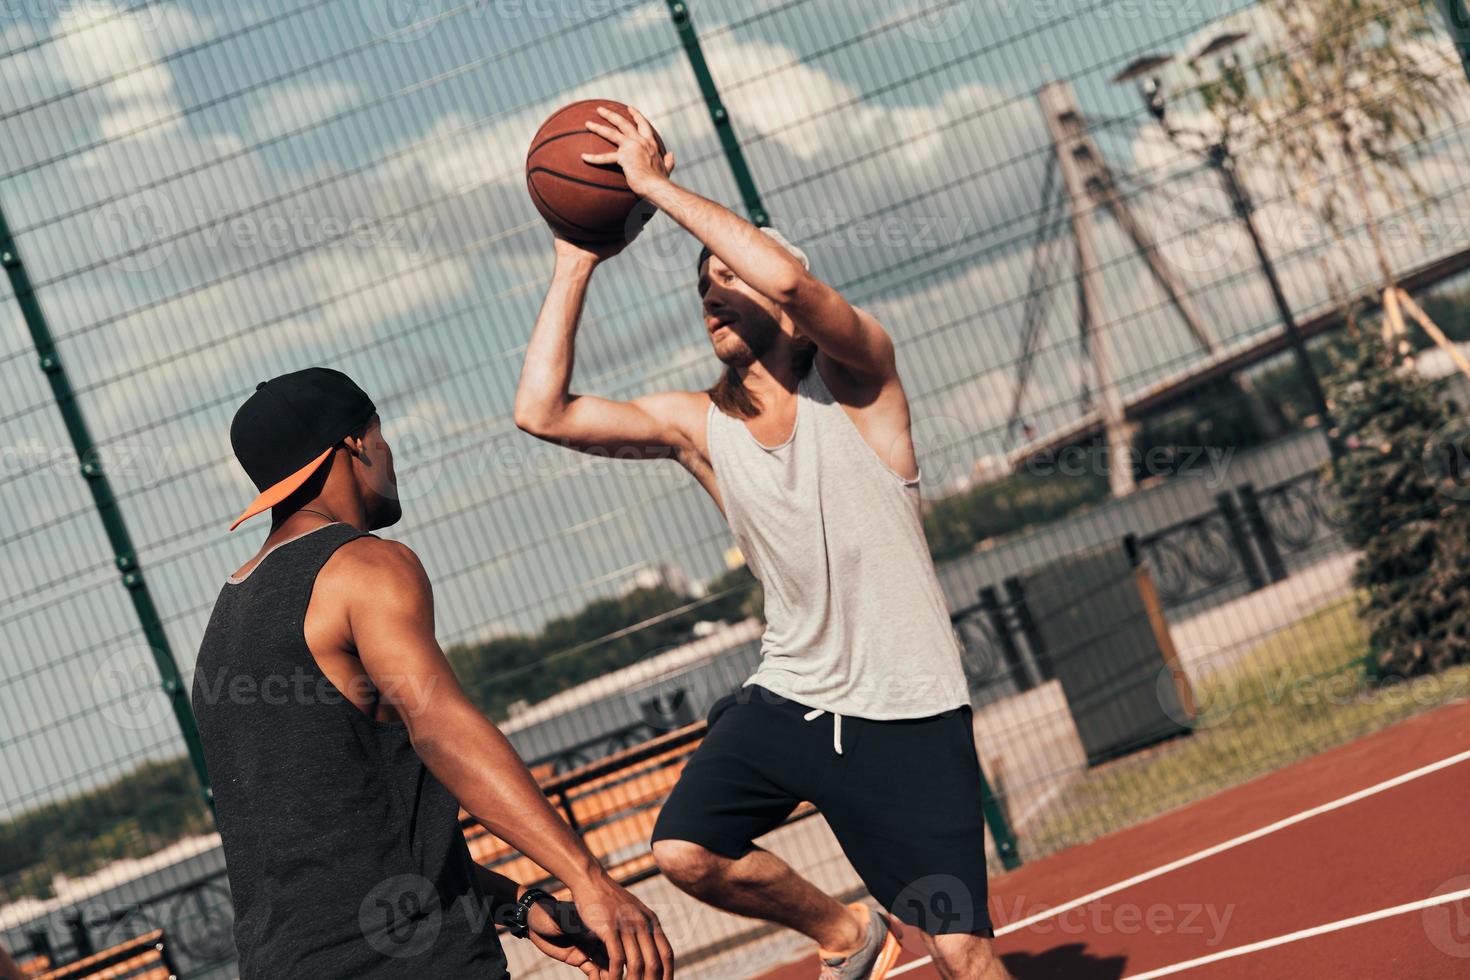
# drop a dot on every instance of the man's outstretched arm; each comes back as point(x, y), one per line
point(650, 427)
point(392, 622)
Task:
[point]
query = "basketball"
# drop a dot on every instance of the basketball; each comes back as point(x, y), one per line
point(582, 201)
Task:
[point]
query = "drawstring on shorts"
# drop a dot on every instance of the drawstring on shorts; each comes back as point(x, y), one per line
point(836, 726)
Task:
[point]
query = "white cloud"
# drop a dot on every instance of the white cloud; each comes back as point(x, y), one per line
point(283, 110)
point(762, 78)
point(119, 55)
point(641, 17)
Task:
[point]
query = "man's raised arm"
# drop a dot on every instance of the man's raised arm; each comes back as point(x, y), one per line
point(644, 428)
point(844, 333)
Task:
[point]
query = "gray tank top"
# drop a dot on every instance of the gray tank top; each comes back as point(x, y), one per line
point(343, 852)
point(856, 623)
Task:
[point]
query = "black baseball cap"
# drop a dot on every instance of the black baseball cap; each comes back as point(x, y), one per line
point(288, 428)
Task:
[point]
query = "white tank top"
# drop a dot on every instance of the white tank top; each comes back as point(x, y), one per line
point(856, 623)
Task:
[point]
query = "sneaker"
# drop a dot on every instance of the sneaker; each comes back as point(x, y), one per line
point(876, 957)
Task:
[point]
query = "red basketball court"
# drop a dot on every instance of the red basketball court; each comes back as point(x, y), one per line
point(1352, 863)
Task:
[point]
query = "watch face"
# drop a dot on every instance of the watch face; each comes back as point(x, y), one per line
point(520, 924)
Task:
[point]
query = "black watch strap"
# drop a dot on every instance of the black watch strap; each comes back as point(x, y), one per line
point(518, 922)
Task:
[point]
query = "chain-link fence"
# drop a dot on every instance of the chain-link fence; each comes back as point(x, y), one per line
point(199, 196)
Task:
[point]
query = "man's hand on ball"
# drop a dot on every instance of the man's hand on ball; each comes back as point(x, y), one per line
point(568, 249)
point(637, 150)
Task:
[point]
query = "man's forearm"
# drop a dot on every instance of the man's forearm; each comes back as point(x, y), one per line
point(502, 892)
point(494, 785)
point(755, 258)
point(546, 375)
point(824, 316)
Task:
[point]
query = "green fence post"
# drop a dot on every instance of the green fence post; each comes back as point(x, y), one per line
point(679, 11)
point(124, 556)
point(1000, 826)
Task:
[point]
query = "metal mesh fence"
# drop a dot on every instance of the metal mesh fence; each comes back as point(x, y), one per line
point(207, 195)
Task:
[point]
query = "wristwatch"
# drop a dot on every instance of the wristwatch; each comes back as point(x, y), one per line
point(518, 920)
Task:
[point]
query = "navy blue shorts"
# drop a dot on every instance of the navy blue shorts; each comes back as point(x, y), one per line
point(903, 799)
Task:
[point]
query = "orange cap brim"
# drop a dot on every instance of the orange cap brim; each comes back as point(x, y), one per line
point(275, 494)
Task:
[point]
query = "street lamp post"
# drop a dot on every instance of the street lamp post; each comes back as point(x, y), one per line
point(1217, 155)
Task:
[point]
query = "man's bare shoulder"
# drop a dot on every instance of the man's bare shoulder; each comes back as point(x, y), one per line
point(378, 564)
point(684, 410)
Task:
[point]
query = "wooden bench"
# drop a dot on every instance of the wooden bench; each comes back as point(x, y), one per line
point(142, 958)
point(612, 803)
point(34, 966)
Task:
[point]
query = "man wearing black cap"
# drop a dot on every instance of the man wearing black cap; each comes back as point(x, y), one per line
point(341, 745)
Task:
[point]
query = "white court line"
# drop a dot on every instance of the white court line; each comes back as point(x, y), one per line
point(914, 965)
point(1291, 937)
point(1210, 852)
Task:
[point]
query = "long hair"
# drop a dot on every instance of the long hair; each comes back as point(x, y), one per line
point(732, 397)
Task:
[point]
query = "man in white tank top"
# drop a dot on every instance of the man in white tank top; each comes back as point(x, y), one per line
point(859, 705)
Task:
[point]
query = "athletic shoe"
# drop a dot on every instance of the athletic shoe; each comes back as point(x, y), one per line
point(876, 957)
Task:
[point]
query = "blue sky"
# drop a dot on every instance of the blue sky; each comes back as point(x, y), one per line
point(207, 203)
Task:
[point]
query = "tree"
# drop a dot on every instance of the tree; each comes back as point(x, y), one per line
point(1347, 87)
point(1405, 506)
point(735, 595)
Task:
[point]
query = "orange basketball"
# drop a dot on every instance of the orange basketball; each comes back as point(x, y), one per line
point(582, 201)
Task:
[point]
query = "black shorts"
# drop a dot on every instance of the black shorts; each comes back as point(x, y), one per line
point(903, 799)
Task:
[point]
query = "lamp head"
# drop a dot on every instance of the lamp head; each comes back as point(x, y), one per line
point(1221, 44)
point(1145, 71)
